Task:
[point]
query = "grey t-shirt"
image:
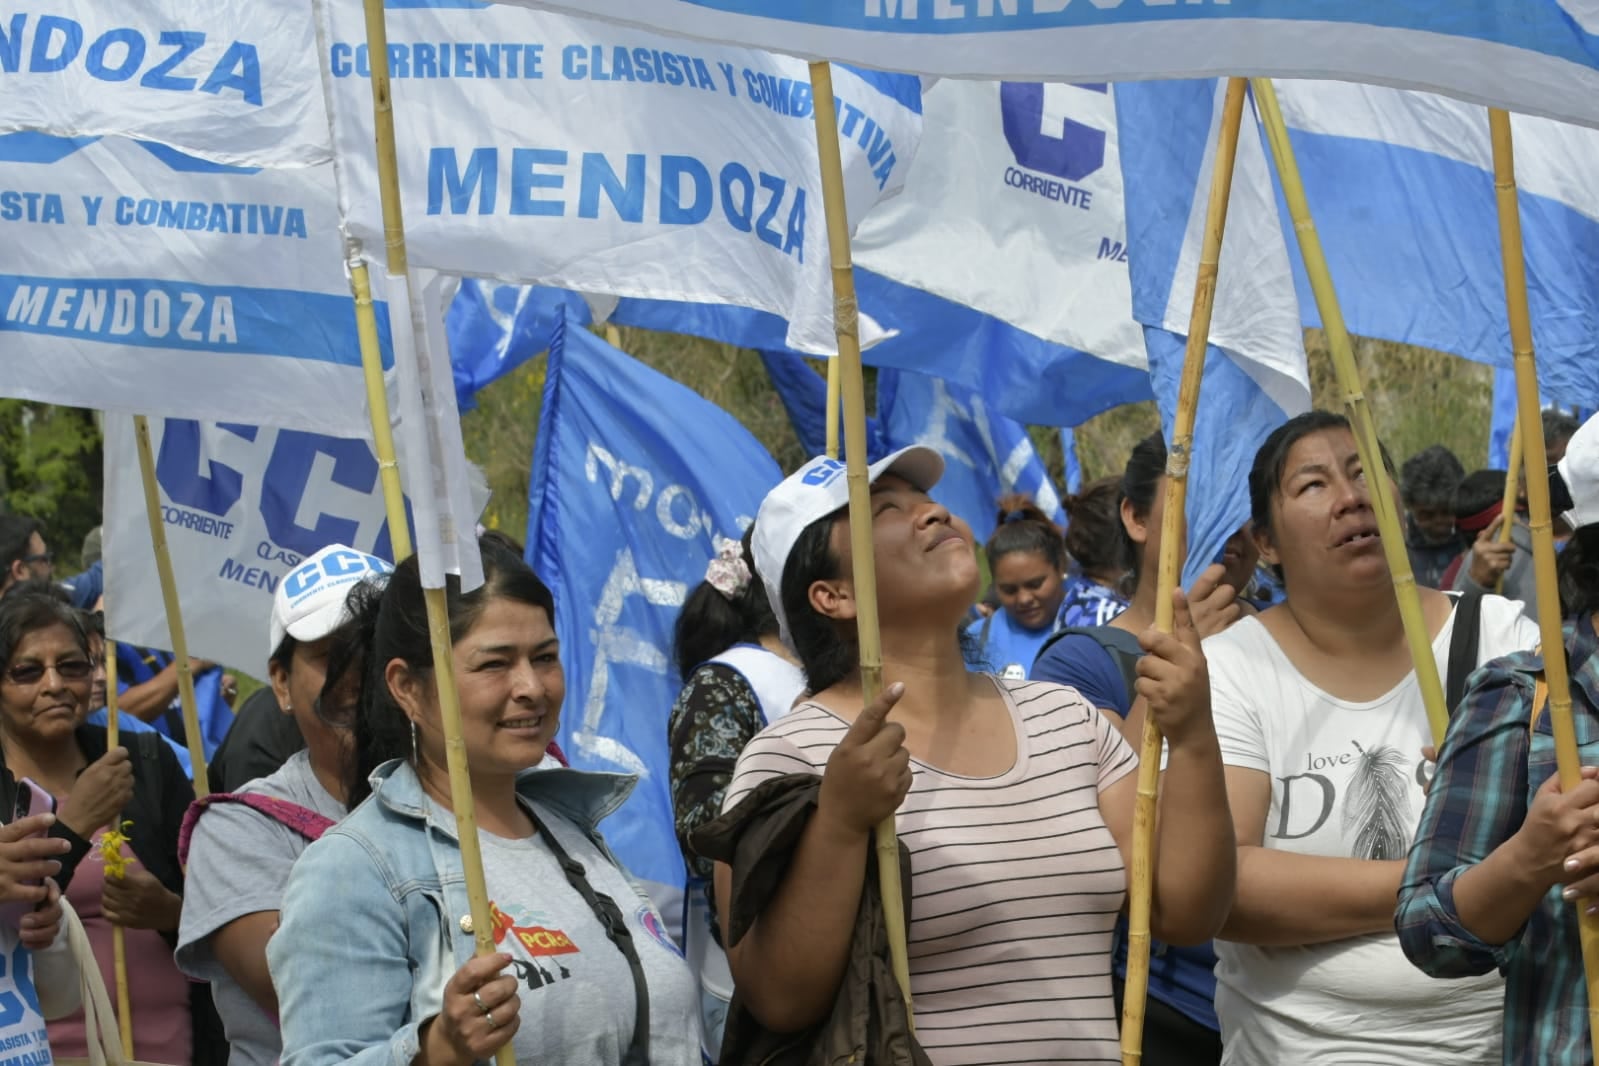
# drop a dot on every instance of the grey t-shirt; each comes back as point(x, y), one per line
point(576, 989)
point(239, 862)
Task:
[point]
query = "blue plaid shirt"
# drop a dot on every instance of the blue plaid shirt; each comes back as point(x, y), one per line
point(1488, 771)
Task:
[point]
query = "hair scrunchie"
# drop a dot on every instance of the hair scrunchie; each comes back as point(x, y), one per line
point(728, 573)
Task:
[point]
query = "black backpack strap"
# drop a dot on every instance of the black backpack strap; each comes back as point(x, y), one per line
point(1464, 642)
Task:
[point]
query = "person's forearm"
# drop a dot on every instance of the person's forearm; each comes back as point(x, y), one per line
point(147, 700)
point(1197, 862)
point(1286, 900)
point(788, 966)
point(1494, 898)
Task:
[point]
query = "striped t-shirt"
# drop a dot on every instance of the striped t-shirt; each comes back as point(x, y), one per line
point(1016, 881)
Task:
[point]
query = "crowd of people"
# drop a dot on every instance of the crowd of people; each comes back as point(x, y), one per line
point(1318, 866)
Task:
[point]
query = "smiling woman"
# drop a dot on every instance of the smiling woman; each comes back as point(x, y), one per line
point(582, 974)
point(1027, 556)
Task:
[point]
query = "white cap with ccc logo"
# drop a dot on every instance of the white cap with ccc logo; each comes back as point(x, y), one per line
point(309, 601)
point(814, 491)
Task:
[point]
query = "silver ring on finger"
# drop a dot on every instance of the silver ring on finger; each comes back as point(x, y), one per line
point(488, 1012)
point(488, 1016)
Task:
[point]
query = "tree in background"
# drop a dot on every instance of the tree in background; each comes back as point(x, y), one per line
point(50, 468)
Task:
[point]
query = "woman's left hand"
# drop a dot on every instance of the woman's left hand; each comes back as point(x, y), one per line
point(138, 901)
point(1174, 680)
point(40, 926)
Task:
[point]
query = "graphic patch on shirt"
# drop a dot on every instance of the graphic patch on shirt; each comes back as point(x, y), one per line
point(535, 934)
point(652, 925)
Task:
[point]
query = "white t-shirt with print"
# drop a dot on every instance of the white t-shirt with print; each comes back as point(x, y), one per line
point(1345, 782)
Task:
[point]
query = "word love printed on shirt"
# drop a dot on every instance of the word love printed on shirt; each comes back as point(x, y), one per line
point(1370, 787)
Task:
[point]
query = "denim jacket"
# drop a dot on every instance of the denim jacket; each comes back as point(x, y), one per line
point(375, 919)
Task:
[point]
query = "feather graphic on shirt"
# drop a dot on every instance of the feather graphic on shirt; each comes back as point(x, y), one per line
point(1377, 804)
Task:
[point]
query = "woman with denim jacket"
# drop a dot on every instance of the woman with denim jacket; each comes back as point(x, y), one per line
point(373, 962)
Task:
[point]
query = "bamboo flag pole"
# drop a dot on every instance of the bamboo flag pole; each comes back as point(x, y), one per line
point(377, 402)
point(1171, 562)
point(1507, 510)
point(853, 389)
point(833, 386)
point(1389, 527)
point(613, 336)
point(436, 601)
point(119, 941)
point(1541, 522)
point(169, 597)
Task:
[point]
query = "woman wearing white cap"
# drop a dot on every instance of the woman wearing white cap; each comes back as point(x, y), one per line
point(1014, 798)
point(1504, 858)
point(240, 852)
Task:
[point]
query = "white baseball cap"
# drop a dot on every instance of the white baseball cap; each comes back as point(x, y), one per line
point(309, 601)
point(1579, 470)
point(814, 491)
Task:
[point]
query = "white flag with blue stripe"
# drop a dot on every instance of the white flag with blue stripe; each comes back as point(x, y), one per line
point(537, 148)
point(140, 279)
point(1255, 372)
point(230, 82)
point(1537, 56)
point(1402, 188)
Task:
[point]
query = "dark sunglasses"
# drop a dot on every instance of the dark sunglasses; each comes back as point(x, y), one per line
point(66, 670)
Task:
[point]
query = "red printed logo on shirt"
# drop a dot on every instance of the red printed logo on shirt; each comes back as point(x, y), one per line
point(536, 939)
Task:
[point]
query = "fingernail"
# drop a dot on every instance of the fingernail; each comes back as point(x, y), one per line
point(897, 689)
point(1571, 864)
point(1568, 893)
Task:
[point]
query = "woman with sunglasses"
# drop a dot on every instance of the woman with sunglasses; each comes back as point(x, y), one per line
point(44, 694)
point(373, 962)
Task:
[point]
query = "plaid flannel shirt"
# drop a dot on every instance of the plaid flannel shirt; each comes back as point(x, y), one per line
point(1488, 770)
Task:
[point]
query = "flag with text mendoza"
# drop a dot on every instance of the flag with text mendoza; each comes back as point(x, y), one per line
point(986, 456)
point(232, 83)
point(139, 279)
point(1003, 263)
point(1538, 56)
point(551, 150)
point(1402, 187)
point(1255, 374)
point(633, 474)
point(804, 395)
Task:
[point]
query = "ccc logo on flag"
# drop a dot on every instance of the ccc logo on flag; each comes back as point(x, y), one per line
point(1042, 138)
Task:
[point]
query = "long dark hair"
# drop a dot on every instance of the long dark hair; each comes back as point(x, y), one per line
point(389, 621)
point(1093, 526)
point(1022, 528)
point(828, 650)
point(710, 622)
point(1577, 570)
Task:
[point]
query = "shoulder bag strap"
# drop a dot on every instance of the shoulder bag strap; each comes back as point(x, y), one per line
point(302, 820)
point(614, 922)
point(1464, 642)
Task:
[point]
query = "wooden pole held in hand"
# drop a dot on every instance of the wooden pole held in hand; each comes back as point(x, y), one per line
point(852, 385)
point(1507, 509)
point(119, 941)
point(1171, 565)
point(1383, 505)
point(438, 616)
point(1529, 421)
point(377, 402)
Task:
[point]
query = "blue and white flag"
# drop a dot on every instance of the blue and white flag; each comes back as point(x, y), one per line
point(1003, 264)
point(241, 505)
point(986, 456)
point(233, 83)
point(1074, 465)
point(1255, 374)
point(1537, 56)
point(1502, 425)
point(493, 329)
point(1401, 185)
point(633, 475)
point(804, 395)
point(136, 278)
point(538, 148)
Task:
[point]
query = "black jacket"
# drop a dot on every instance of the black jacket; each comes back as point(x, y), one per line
point(867, 1025)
